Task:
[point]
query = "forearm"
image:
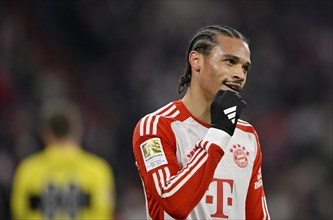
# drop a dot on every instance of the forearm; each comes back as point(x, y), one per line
point(185, 189)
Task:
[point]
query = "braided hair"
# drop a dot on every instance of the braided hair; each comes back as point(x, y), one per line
point(203, 41)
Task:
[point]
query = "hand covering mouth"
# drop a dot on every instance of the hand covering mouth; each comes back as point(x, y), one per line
point(234, 86)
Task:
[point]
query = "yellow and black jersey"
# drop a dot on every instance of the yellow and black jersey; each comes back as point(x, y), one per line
point(63, 182)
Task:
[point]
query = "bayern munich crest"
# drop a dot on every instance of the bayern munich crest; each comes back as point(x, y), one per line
point(240, 155)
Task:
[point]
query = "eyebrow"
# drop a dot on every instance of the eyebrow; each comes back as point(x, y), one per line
point(230, 56)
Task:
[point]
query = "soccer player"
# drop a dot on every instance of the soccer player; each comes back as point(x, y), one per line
point(63, 181)
point(196, 158)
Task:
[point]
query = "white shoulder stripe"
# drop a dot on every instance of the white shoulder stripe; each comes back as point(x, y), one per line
point(174, 114)
point(161, 109)
point(142, 125)
point(148, 124)
point(155, 124)
point(169, 111)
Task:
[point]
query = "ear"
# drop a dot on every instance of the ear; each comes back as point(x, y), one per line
point(195, 60)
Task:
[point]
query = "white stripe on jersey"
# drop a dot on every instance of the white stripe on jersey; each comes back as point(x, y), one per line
point(264, 208)
point(153, 118)
point(183, 172)
point(161, 177)
point(154, 113)
point(167, 172)
point(155, 124)
point(175, 114)
point(163, 180)
point(172, 185)
point(161, 109)
point(244, 123)
point(157, 185)
point(183, 182)
point(141, 124)
point(169, 110)
point(204, 144)
point(148, 124)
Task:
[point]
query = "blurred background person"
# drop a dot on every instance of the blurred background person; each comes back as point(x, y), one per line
point(63, 181)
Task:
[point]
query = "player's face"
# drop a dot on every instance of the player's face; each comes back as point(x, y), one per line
point(226, 66)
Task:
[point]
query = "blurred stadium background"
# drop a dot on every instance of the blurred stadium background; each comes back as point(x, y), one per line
point(119, 60)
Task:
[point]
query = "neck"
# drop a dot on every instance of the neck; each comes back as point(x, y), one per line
point(62, 142)
point(198, 105)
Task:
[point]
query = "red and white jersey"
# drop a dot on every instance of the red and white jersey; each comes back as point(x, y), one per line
point(187, 175)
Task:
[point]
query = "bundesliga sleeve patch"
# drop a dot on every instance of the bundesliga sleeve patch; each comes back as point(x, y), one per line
point(153, 154)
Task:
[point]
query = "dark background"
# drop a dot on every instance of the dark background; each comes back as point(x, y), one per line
point(119, 60)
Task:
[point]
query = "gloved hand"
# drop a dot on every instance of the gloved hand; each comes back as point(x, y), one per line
point(225, 110)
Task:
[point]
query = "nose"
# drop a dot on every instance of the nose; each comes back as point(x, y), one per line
point(238, 72)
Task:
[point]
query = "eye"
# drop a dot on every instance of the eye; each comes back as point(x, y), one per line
point(230, 61)
point(246, 69)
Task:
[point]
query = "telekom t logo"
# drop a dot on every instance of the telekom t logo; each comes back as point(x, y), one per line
point(224, 191)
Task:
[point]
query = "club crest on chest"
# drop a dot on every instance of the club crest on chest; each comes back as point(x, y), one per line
point(240, 155)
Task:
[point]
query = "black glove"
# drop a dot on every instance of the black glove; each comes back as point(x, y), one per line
point(225, 110)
